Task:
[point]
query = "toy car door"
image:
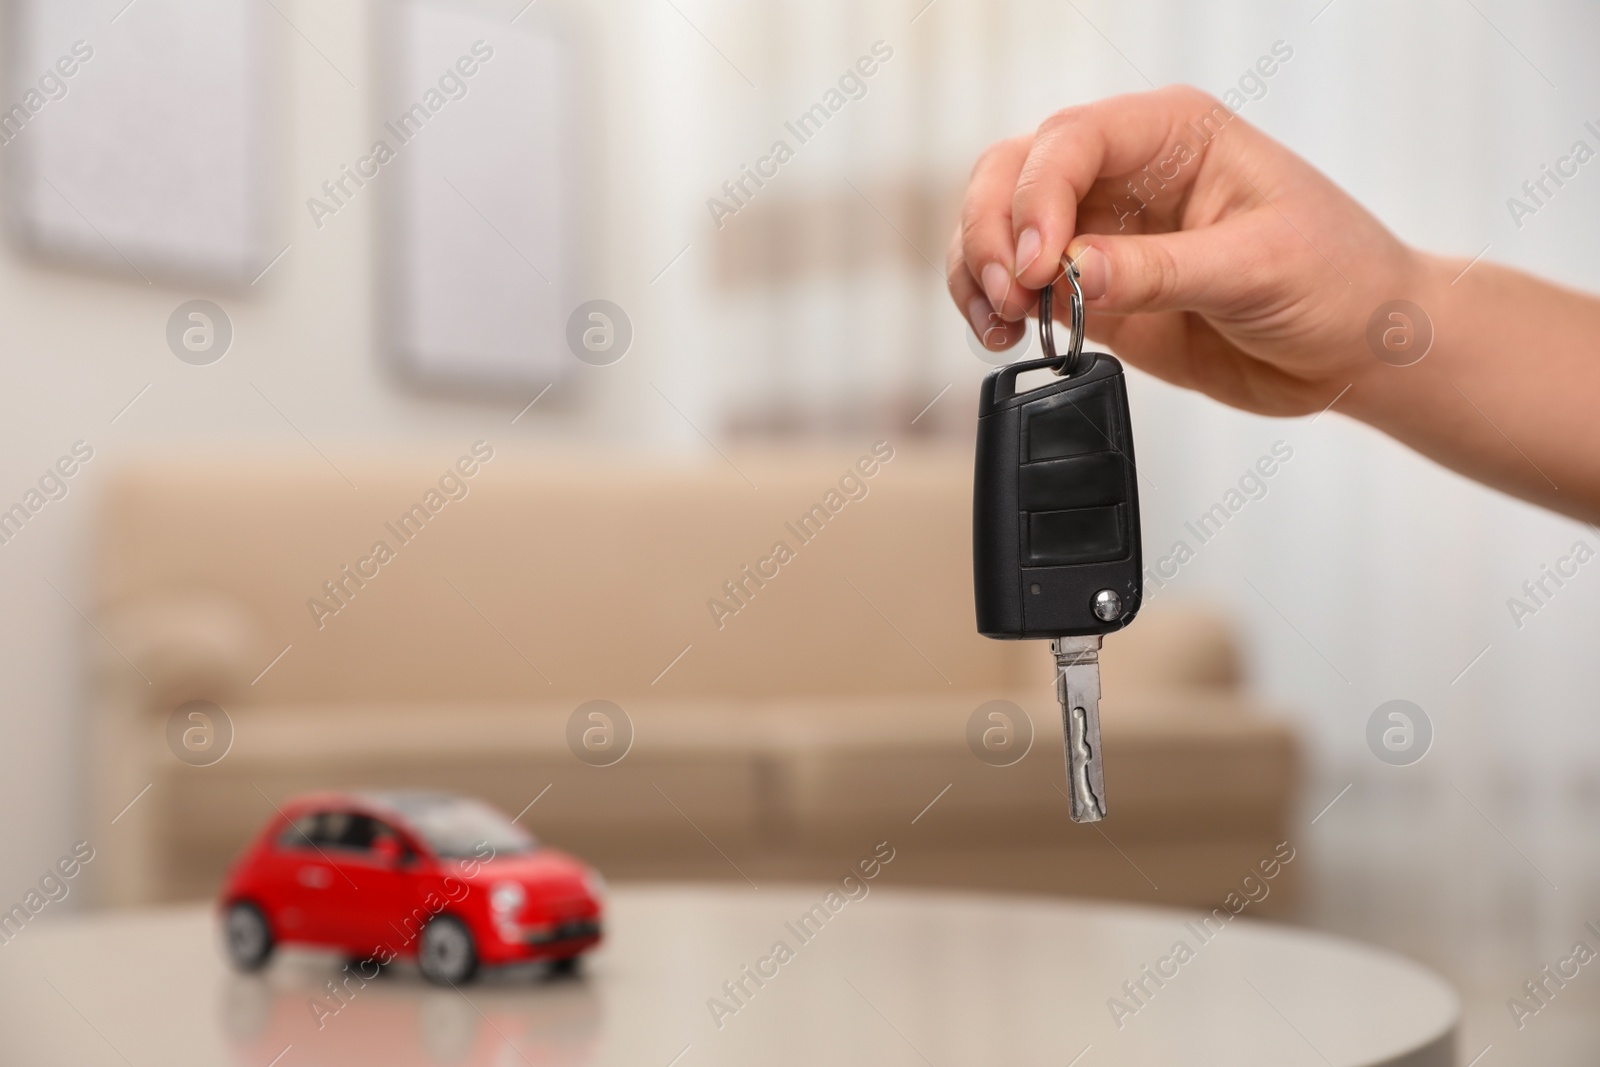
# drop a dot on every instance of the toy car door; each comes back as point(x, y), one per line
point(375, 892)
point(300, 875)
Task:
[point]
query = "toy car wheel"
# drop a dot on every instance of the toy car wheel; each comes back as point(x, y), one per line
point(446, 953)
point(564, 967)
point(248, 937)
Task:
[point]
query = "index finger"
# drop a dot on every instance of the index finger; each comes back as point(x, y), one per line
point(987, 236)
point(1078, 146)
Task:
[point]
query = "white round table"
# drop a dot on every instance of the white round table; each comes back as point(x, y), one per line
point(895, 977)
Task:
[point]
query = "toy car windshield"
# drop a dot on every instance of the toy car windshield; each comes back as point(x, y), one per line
point(459, 827)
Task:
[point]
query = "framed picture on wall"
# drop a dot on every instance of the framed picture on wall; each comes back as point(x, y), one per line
point(475, 240)
point(136, 138)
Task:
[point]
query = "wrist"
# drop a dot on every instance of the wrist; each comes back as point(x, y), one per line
point(1400, 352)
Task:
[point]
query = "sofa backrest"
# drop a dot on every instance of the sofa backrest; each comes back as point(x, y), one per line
point(570, 580)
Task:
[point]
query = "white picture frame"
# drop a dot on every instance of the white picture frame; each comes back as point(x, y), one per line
point(137, 139)
point(476, 251)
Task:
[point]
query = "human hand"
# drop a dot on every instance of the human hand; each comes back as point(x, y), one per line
point(1209, 254)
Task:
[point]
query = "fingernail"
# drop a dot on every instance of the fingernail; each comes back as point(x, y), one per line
point(1094, 272)
point(1027, 249)
point(996, 284)
point(979, 313)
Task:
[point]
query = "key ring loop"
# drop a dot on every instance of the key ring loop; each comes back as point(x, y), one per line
point(1072, 363)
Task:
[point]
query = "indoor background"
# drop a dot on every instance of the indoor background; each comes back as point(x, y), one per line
point(816, 314)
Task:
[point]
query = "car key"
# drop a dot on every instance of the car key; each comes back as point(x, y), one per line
point(1055, 527)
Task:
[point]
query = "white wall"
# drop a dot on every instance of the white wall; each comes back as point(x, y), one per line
point(1392, 569)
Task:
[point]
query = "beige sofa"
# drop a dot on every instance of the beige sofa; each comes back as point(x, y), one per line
point(776, 737)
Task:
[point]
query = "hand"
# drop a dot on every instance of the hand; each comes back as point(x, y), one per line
point(1210, 255)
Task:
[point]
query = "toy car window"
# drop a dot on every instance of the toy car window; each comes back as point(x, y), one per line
point(347, 830)
point(302, 833)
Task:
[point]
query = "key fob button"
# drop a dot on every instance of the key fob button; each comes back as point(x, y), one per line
point(1067, 425)
point(1092, 480)
point(1082, 535)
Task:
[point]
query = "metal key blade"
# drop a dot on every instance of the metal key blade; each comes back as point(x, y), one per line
point(1078, 690)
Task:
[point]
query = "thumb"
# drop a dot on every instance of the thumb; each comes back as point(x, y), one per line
point(1190, 270)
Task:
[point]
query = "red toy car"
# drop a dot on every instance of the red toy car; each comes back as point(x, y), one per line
point(443, 879)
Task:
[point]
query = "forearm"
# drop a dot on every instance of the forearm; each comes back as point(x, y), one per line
point(1509, 393)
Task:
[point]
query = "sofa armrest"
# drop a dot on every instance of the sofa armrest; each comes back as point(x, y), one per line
point(158, 653)
point(183, 646)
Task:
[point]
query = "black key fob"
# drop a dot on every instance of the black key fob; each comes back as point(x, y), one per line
point(1055, 503)
point(1055, 527)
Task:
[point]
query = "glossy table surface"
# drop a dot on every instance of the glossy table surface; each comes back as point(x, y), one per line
point(895, 977)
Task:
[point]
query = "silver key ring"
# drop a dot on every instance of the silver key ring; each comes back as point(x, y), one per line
point(1072, 363)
